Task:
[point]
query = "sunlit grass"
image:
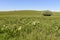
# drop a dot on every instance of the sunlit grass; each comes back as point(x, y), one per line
point(29, 27)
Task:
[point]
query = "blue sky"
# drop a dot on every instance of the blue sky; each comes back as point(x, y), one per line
point(30, 5)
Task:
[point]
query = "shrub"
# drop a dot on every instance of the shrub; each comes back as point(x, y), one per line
point(47, 13)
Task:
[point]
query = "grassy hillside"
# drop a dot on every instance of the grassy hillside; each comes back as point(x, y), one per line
point(29, 25)
point(23, 12)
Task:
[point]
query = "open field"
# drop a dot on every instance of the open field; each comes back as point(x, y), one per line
point(29, 25)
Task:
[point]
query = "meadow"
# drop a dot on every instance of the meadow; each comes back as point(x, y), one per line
point(29, 25)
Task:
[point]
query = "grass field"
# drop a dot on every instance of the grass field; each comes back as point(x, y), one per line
point(29, 25)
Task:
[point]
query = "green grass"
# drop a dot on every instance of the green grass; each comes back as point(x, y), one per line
point(29, 25)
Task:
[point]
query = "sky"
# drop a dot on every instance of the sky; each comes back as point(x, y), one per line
point(6, 5)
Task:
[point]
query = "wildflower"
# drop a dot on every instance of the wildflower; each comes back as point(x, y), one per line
point(34, 22)
point(2, 29)
point(4, 25)
point(19, 28)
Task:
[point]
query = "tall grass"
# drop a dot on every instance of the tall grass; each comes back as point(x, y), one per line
point(29, 28)
point(29, 25)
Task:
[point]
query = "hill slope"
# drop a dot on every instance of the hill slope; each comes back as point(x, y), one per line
point(23, 12)
point(13, 26)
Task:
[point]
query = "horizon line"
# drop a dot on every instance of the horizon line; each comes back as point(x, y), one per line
point(27, 9)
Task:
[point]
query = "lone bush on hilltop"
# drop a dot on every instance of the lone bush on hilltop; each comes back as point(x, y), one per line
point(47, 13)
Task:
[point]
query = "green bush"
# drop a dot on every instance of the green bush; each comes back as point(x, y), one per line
point(47, 13)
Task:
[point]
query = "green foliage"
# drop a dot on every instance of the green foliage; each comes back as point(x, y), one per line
point(20, 27)
point(29, 28)
point(47, 13)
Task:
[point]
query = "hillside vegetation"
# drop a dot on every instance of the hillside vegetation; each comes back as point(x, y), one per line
point(26, 12)
point(29, 25)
